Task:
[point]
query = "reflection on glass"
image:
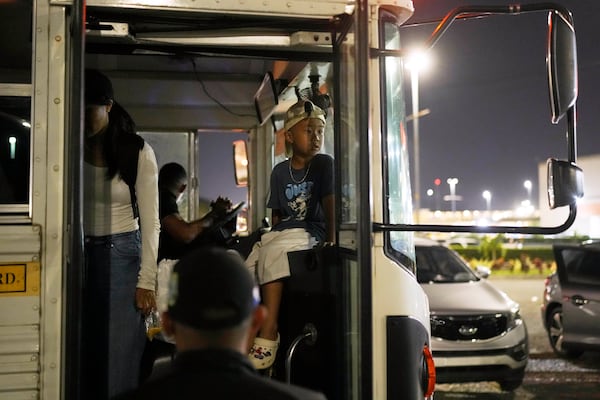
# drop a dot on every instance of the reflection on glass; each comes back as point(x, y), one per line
point(240, 163)
point(14, 150)
point(399, 200)
point(348, 134)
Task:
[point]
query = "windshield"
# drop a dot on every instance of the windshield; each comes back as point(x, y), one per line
point(438, 264)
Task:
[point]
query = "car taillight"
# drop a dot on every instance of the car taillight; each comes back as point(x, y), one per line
point(547, 284)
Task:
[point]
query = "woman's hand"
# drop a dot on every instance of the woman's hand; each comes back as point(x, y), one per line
point(144, 300)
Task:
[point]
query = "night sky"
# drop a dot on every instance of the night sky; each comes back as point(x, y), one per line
point(486, 90)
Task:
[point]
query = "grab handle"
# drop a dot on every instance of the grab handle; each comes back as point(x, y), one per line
point(309, 334)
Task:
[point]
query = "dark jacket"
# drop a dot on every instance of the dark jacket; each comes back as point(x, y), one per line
point(217, 375)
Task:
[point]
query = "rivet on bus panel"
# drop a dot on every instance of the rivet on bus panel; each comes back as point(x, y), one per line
point(57, 38)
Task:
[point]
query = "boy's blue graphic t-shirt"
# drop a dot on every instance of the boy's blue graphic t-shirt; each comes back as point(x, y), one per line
point(299, 200)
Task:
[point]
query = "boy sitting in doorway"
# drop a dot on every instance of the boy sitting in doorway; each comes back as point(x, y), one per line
point(303, 214)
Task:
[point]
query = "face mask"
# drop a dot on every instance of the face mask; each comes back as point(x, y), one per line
point(180, 198)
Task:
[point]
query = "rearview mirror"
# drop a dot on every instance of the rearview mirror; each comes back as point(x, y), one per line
point(265, 99)
point(240, 163)
point(565, 183)
point(562, 65)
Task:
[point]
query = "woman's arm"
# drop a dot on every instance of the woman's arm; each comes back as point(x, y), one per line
point(146, 188)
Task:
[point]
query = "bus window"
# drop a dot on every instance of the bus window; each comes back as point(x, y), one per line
point(14, 152)
point(15, 53)
point(15, 105)
point(348, 133)
point(398, 194)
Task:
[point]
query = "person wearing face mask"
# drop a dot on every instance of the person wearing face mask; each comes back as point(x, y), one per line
point(176, 234)
point(177, 237)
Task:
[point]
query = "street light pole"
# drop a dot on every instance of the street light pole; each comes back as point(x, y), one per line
point(452, 182)
point(414, 77)
point(487, 195)
point(527, 185)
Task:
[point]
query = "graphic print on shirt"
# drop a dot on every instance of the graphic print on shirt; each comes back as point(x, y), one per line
point(298, 196)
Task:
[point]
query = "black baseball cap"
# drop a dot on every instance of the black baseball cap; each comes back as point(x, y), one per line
point(210, 288)
point(98, 88)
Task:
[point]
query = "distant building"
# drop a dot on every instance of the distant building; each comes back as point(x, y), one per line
point(587, 221)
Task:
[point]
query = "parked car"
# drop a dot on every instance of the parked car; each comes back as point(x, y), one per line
point(477, 332)
point(571, 301)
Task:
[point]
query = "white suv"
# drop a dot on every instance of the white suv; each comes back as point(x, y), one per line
point(477, 333)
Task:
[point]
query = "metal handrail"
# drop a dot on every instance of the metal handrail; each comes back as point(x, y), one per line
point(309, 333)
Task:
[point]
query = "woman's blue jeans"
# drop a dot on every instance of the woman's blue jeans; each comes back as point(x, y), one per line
point(114, 334)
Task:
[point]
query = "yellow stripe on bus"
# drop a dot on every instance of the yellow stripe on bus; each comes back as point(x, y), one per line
point(20, 279)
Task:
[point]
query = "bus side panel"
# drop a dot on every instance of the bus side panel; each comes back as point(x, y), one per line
point(397, 295)
point(20, 311)
point(405, 340)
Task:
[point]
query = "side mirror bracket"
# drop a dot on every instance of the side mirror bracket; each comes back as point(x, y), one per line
point(565, 183)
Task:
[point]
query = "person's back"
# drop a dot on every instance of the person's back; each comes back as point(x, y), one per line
point(213, 308)
point(218, 374)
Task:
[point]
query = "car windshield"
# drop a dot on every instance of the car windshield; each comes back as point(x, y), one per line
point(441, 265)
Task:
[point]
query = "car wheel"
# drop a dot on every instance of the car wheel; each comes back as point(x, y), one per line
point(556, 334)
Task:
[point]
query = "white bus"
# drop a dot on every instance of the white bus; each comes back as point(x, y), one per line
point(185, 67)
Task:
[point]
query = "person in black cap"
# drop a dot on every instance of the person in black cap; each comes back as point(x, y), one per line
point(121, 242)
point(213, 308)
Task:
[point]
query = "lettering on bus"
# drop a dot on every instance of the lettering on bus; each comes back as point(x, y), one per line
point(13, 278)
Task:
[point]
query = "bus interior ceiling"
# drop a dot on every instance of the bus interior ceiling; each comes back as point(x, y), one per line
point(195, 71)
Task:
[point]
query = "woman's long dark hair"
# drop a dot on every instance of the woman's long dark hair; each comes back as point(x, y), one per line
point(122, 145)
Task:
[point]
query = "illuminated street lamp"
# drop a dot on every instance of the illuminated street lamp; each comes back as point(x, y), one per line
point(527, 185)
point(487, 195)
point(418, 61)
point(430, 192)
point(452, 182)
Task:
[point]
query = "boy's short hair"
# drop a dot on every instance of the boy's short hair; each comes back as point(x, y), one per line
point(302, 110)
